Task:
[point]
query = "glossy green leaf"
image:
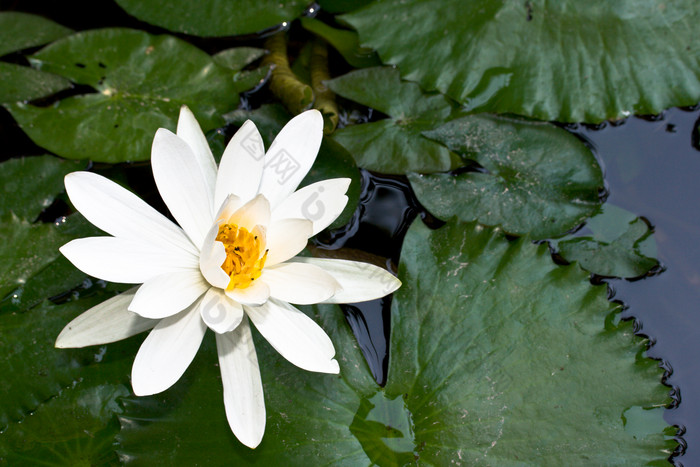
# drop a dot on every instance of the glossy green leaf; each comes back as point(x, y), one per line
point(238, 58)
point(346, 42)
point(141, 81)
point(342, 6)
point(29, 249)
point(32, 268)
point(333, 160)
point(504, 358)
point(21, 83)
point(621, 245)
point(214, 18)
point(539, 180)
point(30, 184)
point(396, 144)
point(565, 60)
point(20, 31)
point(58, 406)
point(515, 360)
point(251, 79)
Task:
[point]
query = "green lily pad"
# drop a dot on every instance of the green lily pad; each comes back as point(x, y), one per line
point(565, 60)
point(30, 184)
point(238, 58)
point(345, 42)
point(141, 81)
point(333, 160)
point(214, 18)
point(396, 144)
point(30, 249)
point(21, 83)
point(540, 180)
point(20, 31)
point(342, 6)
point(514, 361)
point(32, 268)
point(59, 405)
point(622, 245)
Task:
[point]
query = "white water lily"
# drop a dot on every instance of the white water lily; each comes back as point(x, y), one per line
point(230, 260)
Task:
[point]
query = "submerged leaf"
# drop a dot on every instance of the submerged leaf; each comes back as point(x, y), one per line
point(539, 179)
point(565, 60)
point(141, 82)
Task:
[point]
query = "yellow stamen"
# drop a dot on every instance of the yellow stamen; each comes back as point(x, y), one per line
point(245, 257)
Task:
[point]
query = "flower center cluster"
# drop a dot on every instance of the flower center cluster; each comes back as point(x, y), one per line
point(245, 257)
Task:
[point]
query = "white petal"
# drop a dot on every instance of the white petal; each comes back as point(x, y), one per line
point(359, 281)
point(321, 203)
point(286, 238)
point(121, 213)
point(167, 352)
point(126, 261)
point(110, 321)
point(291, 155)
point(255, 294)
point(241, 165)
point(299, 283)
point(189, 131)
point(219, 312)
point(254, 212)
point(168, 294)
point(212, 257)
point(182, 185)
point(243, 390)
point(230, 205)
point(295, 336)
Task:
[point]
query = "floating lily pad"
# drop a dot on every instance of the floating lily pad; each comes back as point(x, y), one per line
point(238, 58)
point(32, 268)
point(396, 144)
point(214, 18)
point(22, 83)
point(539, 180)
point(59, 404)
point(141, 81)
point(565, 60)
point(345, 41)
point(20, 31)
point(342, 6)
point(621, 245)
point(514, 360)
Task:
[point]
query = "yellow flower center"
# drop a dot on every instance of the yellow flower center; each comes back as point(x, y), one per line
point(245, 257)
